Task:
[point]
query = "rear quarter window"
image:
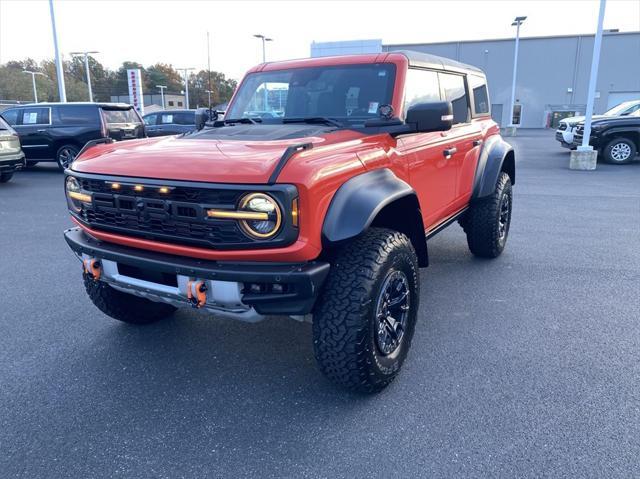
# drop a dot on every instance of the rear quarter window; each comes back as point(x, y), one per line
point(120, 116)
point(77, 115)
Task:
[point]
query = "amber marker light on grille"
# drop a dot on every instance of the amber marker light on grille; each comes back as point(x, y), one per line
point(164, 189)
point(238, 215)
point(80, 196)
point(294, 212)
point(138, 188)
point(115, 186)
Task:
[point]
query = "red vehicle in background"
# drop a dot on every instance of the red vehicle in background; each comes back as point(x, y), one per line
point(316, 195)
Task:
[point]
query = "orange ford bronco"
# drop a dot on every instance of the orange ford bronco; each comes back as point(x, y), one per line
point(314, 197)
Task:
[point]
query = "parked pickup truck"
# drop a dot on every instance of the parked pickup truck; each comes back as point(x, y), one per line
point(617, 139)
point(323, 212)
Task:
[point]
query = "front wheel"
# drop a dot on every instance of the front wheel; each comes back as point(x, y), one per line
point(65, 156)
point(4, 177)
point(487, 222)
point(619, 151)
point(365, 318)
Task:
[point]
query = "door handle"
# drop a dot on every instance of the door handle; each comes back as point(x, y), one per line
point(449, 152)
point(41, 131)
point(477, 142)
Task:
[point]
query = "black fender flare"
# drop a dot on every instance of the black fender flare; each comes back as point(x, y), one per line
point(490, 163)
point(358, 201)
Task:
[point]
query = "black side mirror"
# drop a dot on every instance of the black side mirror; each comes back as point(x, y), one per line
point(435, 116)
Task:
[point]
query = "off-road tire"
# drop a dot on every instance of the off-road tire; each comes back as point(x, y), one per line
point(616, 157)
point(64, 154)
point(4, 177)
point(345, 323)
point(125, 307)
point(482, 222)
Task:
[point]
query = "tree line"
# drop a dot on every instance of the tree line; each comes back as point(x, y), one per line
point(17, 85)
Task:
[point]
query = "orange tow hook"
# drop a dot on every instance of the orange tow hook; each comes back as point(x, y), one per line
point(197, 293)
point(92, 268)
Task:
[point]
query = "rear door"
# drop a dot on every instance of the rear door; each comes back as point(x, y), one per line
point(33, 125)
point(464, 138)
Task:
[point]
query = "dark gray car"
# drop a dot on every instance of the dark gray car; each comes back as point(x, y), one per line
point(170, 122)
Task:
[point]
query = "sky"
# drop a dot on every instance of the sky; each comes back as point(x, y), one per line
point(175, 32)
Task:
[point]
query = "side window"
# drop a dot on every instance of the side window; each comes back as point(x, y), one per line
point(166, 119)
point(478, 87)
point(150, 120)
point(184, 118)
point(454, 91)
point(421, 86)
point(35, 116)
point(78, 114)
point(11, 116)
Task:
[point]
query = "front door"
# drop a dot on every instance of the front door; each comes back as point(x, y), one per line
point(33, 127)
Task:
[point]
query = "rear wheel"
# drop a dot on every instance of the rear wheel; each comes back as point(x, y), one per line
point(487, 222)
point(4, 177)
point(365, 318)
point(65, 156)
point(123, 306)
point(619, 151)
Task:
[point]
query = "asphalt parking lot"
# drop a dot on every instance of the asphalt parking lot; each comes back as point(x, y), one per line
point(528, 365)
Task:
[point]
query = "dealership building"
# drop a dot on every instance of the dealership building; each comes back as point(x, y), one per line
point(553, 72)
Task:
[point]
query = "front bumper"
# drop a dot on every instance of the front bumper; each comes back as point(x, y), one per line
point(301, 282)
point(9, 165)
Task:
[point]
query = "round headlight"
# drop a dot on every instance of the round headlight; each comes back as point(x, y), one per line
point(72, 186)
point(261, 203)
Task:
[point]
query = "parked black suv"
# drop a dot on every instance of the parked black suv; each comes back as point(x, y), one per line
point(170, 122)
point(617, 139)
point(58, 131)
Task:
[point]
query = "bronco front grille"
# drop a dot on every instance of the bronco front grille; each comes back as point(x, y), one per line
point(179, 214)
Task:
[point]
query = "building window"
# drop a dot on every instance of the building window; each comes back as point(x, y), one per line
point(170, 102)
point(179, 103)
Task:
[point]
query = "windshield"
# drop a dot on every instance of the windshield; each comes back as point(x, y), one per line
point(623, 108)
point(345, 92)
point(120, 116)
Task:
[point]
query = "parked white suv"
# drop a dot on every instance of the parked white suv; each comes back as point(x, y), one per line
point(567, 126)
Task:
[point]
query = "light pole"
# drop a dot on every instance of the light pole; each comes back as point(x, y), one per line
point(86, 66)
point(264, 60)
point(33, 79)
point(585, 157)
point(162, 87)
point(264, 49)
point(208, 92)
point(186, 84)
point(59, 70)
point(516, 23)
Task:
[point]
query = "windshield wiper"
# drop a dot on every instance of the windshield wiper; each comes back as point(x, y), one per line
point(251, 121)
point(314, 119)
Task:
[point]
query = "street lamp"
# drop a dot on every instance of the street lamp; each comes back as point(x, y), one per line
point(86, 66)
point(516, 23)
point(33, 79)
point(59, 69)
point(162, 87)
point(186, 84)
point(584, 157)
point(264, 50)
point(209, 92)
point(264, 60)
